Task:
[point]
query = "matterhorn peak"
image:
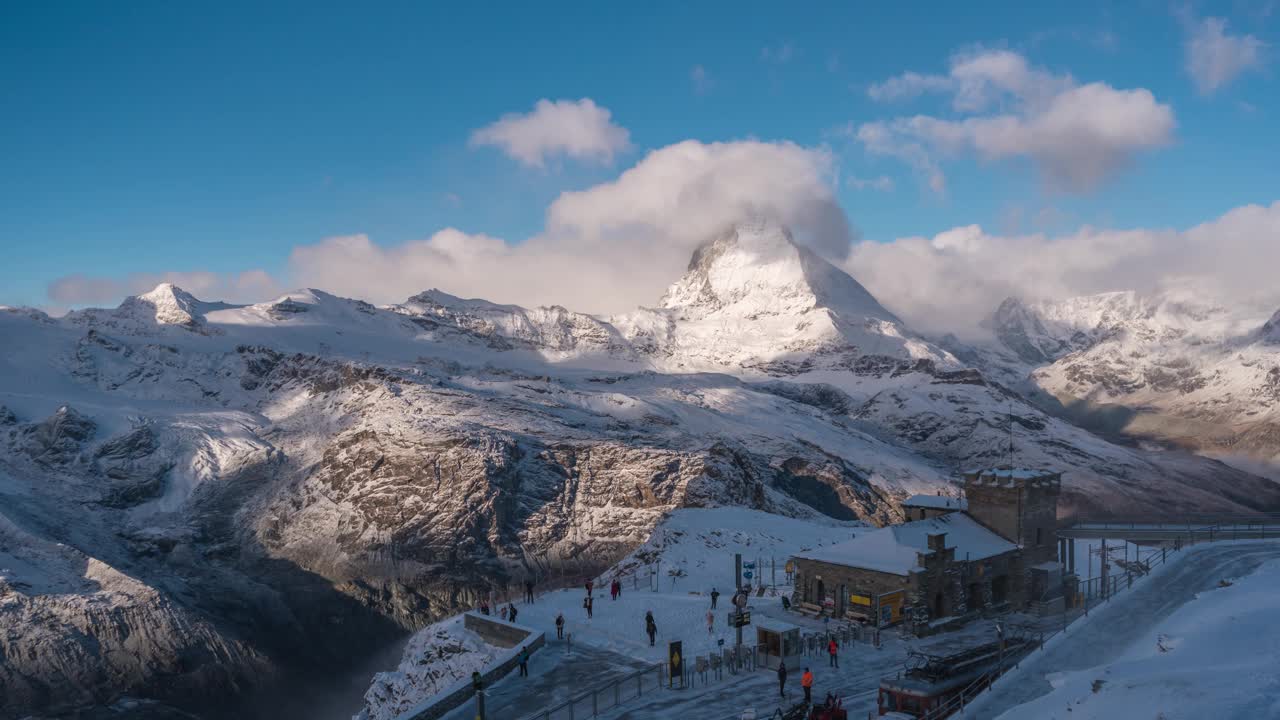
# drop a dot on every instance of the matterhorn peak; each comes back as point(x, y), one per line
point(756, 267)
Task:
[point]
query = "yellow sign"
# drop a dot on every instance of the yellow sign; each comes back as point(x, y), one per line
point(859, 599)
point(892, 603)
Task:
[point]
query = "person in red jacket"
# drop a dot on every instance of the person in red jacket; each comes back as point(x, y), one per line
point(833, 650)
point(806, 682)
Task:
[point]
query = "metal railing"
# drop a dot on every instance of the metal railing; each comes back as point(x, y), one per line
point(606, 696)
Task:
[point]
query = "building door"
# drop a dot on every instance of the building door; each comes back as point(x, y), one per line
point(1000, 589)
point(939, 605)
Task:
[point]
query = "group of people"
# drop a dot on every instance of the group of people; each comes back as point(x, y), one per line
point(806, 680)
point(508, 611)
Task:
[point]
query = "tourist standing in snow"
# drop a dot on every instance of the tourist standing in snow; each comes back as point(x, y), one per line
point(615, 588)
point(504, 613)
point(524, 662)
point(715, 595)
point(806, 682)
point(590, 584)
point(587, 602)
point(711, 622)
point(650, 627)
point(782, 679)
point(559, 626)
point(528, 591)
point(511, 610)
point(833, 650)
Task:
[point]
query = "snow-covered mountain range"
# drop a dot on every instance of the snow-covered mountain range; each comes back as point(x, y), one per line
point(302, 479)
point(1170, 366)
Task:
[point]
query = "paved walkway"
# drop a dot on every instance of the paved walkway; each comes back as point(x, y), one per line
point(553, 677)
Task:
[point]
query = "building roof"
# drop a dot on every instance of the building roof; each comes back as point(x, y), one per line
point(936, 502)
point(1005, 473)
point(893, 549)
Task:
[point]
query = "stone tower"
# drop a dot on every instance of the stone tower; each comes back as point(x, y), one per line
point(1019, 505)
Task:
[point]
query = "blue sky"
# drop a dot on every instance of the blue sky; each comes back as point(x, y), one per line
point(144, 138)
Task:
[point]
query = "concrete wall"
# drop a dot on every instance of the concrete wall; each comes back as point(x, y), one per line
point(485, 627)
point(494, 631)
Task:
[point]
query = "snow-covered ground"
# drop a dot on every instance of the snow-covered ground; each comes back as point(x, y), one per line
point(437, 658)
point(1215, 657)
point(1221, 647)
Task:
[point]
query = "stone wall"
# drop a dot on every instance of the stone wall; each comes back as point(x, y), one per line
point(856, 581)
point(1023, 510)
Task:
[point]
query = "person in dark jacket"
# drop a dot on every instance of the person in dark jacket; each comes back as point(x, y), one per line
point(559, 626)
point(528, 591)
point(715, 595)
point(511, 612)
point(524, 662)
point(782, 679)
point(650, 627)
point(588, 604)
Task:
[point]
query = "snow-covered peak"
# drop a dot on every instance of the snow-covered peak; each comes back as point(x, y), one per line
point(1270, 332)
point(1044, 331)
point(168, 304)
point(757, 267)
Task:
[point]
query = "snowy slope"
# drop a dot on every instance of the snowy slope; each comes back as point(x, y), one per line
point(268, 467)
point(1213, 657)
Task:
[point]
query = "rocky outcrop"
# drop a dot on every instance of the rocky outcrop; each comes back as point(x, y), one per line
point(58, 439)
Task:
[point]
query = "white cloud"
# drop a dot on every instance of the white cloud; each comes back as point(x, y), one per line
point(951, 282)
point(1215, 58)
point(605, 249)
point(1076, 136)
point(883, 183)
point(578, 129)
point(248, 286)
point(608, 248)
point(701, 79)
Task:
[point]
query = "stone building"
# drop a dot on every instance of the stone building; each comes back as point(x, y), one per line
point(923, 507)
point(965, 556)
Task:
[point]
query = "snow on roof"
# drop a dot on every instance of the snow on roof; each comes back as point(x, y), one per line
point(1015, 473)
point(938, 502)
point(893, 549)
point(773, 624)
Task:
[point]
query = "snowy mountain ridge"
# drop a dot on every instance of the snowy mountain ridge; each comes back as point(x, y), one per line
point(265, 468)
point(1170, 366)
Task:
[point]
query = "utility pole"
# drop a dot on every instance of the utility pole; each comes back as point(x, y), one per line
point(737, 591)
